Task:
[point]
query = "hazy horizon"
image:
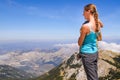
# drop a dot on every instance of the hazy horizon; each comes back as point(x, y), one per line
point(25, 45)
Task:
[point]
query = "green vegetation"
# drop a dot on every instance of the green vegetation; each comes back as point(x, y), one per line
point(113, 74)
point(11, 73)
point(53, 74)
point(73, 77)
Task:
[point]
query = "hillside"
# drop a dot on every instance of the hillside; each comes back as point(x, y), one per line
point(38, 62)
point(11, 73)
point(72, 69)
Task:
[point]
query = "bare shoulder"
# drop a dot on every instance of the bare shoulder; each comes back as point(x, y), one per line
point(84, 28)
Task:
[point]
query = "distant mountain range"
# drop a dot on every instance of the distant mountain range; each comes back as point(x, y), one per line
point(11, 73)
point(39, 61)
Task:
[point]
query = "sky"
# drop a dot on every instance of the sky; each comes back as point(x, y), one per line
point(46, 20)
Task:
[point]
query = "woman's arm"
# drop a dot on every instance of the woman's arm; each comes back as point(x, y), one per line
point(83, 33)
point(99, 34)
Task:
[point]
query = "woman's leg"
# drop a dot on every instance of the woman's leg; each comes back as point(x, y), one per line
point(90, 65)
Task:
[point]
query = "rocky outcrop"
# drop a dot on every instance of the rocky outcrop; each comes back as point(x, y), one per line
point(72, 69)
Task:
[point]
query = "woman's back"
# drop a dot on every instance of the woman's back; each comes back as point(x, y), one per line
point(89, 44)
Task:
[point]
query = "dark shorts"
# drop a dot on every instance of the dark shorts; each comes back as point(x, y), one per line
point(90, 65)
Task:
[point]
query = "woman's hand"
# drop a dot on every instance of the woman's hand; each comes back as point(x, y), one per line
point(99, 36)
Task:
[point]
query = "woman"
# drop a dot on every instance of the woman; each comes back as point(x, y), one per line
point(89, 34)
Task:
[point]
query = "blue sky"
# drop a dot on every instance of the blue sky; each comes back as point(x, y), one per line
point(47, 20)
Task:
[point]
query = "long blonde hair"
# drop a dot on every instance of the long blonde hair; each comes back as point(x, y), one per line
point(93, 11)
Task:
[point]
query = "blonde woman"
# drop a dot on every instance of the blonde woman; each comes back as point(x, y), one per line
point(89, 35)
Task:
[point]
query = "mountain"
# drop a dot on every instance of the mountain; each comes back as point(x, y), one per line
point(11, 73)
point(72, 69)
point(38, 62)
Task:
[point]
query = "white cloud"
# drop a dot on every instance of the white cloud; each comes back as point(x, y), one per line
point(72, 45)
point(102, 45)
point(109, 46)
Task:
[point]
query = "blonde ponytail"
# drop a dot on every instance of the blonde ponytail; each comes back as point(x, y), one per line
point(93, 11)
point(96, 21)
